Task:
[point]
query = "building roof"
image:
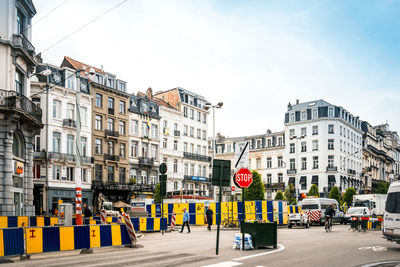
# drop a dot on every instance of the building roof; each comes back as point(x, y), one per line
point(310, 104)
point(75, 64)
point(157, 100)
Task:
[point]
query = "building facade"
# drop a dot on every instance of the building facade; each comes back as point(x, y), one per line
point(323, 147)
point(20, 118)
point(193, 128)
point(54, 169)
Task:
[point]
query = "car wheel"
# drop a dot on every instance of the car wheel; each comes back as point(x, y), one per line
point(345, 222)
point(289, 225)
point(341, 222)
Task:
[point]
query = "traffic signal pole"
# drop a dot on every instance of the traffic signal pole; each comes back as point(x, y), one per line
point(219, 210)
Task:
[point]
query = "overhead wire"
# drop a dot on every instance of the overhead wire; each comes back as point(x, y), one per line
point(85, 25)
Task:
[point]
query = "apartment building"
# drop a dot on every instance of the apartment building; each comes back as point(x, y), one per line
point(20, 118)
point(194, 126)
point(110, 137)
point(55, 152)
point(323, 147)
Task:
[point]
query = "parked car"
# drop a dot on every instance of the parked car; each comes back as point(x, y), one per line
point(298, 219)
point(391, 216)
point(354, 212)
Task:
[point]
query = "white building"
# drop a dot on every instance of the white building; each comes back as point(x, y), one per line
point(54, 177)
point(193, 128)
point(323, 147)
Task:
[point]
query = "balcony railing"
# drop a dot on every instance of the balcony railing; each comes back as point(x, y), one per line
point(198, 157)
point(331, 169)
point(123, 186)
point(291, 171)
point(61, 157)
point(111, 157)
point(69, 123)
point(350, 171)
point(112, 133)
point(20, 41)
point(275, 186)
point(146, 161)
point(14, 101)
point(177, 133)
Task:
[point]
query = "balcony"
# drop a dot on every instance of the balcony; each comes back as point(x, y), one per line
point(61, 157)
point(111, 157)
point(69, 123)
point(331, 169)
point(177, 133)
point(100, 185)
point(200, 179)
point(291, 171)
point(146, 161)
point(198, 157)
point(277, 186)
point(20, 42)
point(12, 102)
point(111, 133)
point(350, 171)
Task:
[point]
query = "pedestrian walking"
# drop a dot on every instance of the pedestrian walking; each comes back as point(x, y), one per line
point(209, 217)
point(86, 211)
point(186, 220)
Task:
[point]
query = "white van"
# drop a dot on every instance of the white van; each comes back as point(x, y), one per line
point(391, 215)
point(315, 208)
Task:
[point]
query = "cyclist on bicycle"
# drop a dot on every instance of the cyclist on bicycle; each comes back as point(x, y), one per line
point(329, 213)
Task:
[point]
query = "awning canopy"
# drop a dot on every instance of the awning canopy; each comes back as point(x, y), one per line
point(291, 180)
point(303, 180)
point(331, 179)
point(314, 179)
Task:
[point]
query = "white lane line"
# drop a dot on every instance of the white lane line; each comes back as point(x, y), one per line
point(224, 264)
point(280, 248)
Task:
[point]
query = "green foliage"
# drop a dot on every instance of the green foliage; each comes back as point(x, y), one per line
point(382, 188)
point(132, 181)
point(157, 194)
point(348, 196)
point(293, 201)
point(279, 195)
point(314, 191)
point(289, 194)
point(256, 190)
point(334, 193)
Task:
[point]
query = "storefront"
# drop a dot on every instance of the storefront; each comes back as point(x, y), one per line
point(66, 196)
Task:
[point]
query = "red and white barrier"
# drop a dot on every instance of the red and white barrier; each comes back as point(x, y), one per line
point(313, 215)
point(129, 227)
point(173, 220)
point(103, 217)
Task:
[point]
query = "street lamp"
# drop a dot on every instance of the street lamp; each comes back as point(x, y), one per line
point(297, 154)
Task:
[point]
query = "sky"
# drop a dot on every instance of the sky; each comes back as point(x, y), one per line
point(254, 56)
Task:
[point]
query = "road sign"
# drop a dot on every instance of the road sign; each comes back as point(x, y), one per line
point(221, 171)
point(233, 188)
point(243, 178)
point(163, 168)
point(242, 162)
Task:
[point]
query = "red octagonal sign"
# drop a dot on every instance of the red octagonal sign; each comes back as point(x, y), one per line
point(243, 178)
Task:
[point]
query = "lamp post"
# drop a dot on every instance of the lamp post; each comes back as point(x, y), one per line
point(295, 177)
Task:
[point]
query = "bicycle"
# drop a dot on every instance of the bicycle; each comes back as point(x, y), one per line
point(328, 224)
point(231, 223)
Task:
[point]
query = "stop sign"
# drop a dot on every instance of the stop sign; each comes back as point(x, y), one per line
point(243, 178)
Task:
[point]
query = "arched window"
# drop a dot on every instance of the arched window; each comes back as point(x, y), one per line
point(18, 145)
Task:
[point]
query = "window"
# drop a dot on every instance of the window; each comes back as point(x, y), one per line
point(56, 172)
point(70, 144)
point(71, 80)
point(145, 129)
point(314, 113)
point(98, 122)
point(304, 163)
point(122, 127)
point(186, 169)
point(122, 150)
point(303, 146)
point(269, 178)
point(331, 112)
point(304, 115)
point(198, 133)
point(70, 111)
point(198, 116)
point(122, 87)
point(110, 147)
point(20, 22)
point(134, 127)
point(199, 170)
point(280, 178)
point(122, 175)
point(98, 172)
point(185, 112)
point(291, 117)
point(56, 142)
point(258, 163)
point(330, 161)
point(315, 145)
point(330, 128)
point(83, 112)
point(185, 147)
point(315, 162)
point(198, 150)
point(154, 131)
point(204, 135)
point(99, 100)
point(37, 143)
point(315, 130)
point(70, 173)
point(110, 124)
point(19, 82)
point(340, 130)
point(280, 141)
point(122, 107)
point(292, 164)
point(175, 144)
point(175, 186)
point(191, 169)
point(110, 82)
point(292, 148)
point(192, 114)
point(204, 118)
point(269, 142)
point(99, 79)
point(229, 148)
point(83, 146)
point(291, 132)
point(303, 131)
point(165, 143)
point(185, 130)
point(84, 173)
point(56, 109)
point(98, 146)
point(191, 132)
point(258, 143)
point(175, 165)
point(269, 163)
point(134, 149)
point(280, 161)
point(110, 104)
point(110, 174)
point(331, 144)
point(154, 151)
point(36, 171)
point(204, 171)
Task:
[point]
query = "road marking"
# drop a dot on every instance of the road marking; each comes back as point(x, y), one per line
point(374, 248)
point(224, 264)
point(364, 248)
point(280, 248)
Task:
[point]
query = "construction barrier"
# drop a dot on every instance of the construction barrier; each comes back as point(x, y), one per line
point(145, 224)
point(11, 241)
point(367, 222)
point(19, 221)
point(294, 209)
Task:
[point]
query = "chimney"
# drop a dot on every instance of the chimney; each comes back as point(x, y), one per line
point(149, 93)
point(297, 102)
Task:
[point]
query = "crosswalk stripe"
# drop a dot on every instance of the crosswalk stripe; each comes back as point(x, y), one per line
point(224, 264)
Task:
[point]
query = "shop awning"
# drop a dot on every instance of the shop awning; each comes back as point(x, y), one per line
point(331, 179)
point(303, 180)
point(314, 179)
point(291, 180)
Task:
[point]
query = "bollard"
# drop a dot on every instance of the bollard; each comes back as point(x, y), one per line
point(172, 227)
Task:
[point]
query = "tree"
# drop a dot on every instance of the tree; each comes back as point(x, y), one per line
point(314, 191)
point(382, 188)
point(348, 196)
point(279, 195)
point(334, 193)
point(157, 194)
point(289, 194)
point(256, 190)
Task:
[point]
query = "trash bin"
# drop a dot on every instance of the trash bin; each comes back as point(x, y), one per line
point(262, 234)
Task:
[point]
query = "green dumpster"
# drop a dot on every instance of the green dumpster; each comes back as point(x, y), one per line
point(262, 234)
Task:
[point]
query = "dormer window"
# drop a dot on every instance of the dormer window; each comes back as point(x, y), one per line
point(291, 117)
point(330, 112)
point(99, 79)
point(304, 115)
point(314, 113)
point(70, 80)
point(121, 87)
point(110, 82)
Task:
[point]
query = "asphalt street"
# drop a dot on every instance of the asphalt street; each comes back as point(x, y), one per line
point(297, 247)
